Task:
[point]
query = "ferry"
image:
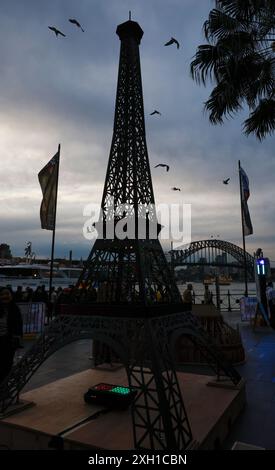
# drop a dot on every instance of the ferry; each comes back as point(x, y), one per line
point(34, 275)
point(223, 280)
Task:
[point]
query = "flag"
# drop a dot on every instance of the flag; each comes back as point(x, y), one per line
point(48, 177)
point(245, 193)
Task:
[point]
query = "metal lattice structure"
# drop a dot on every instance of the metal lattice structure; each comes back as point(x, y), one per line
point(132, 269)
point(129, 271)
point(145, 348)
point(212, 252)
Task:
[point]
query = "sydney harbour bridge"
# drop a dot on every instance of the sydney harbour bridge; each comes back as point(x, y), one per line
point(213, 252)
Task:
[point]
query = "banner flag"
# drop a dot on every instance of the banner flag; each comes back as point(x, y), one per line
point(48, 178)
point(245, 193)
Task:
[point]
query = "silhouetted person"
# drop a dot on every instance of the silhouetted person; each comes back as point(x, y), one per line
point(64, 297)
point(18, 295)
point(187, 297)
point(92, 294)
point(37, 295)
point(44, 294)
point(208, 296)
point(103, 293)
point(159, 294)
point(11, 331)
point(270, 294)
point(52, 303)
point(27, 295)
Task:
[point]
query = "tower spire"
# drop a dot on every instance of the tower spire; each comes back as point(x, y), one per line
point(130, 268)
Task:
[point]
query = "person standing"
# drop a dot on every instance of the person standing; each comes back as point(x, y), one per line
point(208, 295)
point(51, 304)
point(187, 297)
point(18, 295)
point(270, 294)
point(11, 331)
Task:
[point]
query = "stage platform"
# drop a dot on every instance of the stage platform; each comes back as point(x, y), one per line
point(61, 411)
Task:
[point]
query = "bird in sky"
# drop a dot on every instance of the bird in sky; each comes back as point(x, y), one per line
point(56, 31)
point(172, 41)
point(175, 189)
point(73, 21)
point(163, 165)
point(226, 181)
point(155, 112)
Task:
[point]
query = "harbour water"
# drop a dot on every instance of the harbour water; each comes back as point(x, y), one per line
point(234, 288)
point(230, 295)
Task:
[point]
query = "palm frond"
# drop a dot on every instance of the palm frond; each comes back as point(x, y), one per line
point(261, 121)
point(240, 59)
point(205, 63)
point(210, 60)
point(237, 43)
point(252, 76)
point(224, 101)
point(219, 25)
point(245, 10)
point(261, 80)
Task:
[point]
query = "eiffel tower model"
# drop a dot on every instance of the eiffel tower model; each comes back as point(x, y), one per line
point(127, 262)
point(133, 268)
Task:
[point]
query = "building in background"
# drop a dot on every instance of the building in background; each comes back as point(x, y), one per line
point(5, 252)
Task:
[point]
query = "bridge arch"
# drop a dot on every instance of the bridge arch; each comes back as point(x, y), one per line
point(212, 248)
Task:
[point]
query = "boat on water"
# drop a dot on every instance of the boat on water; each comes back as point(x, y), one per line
point(223, 280)
point(35, 275)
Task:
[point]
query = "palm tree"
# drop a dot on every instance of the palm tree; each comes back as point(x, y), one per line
point(239, 58)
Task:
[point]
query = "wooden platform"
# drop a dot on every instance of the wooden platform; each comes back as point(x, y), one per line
point(60, 409)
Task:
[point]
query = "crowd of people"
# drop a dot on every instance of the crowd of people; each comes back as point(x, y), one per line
point(40, 294)
point(86, 294)
point(11, 325)
point(188, 296)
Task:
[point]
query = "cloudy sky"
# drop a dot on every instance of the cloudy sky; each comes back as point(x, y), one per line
point(63, 90)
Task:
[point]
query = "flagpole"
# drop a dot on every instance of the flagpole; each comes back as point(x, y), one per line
point(54, 223)
point(244, 248)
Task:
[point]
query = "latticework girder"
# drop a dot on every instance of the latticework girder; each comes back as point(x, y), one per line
point(145, 347)
point(211, 253)
point(132, 269)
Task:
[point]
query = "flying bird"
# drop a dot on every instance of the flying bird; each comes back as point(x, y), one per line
point(73, 21)
point(163, 165)
point(155, 112)
point(226, 181)
point(175, 189)
point(56, 31)
point(172, 41)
